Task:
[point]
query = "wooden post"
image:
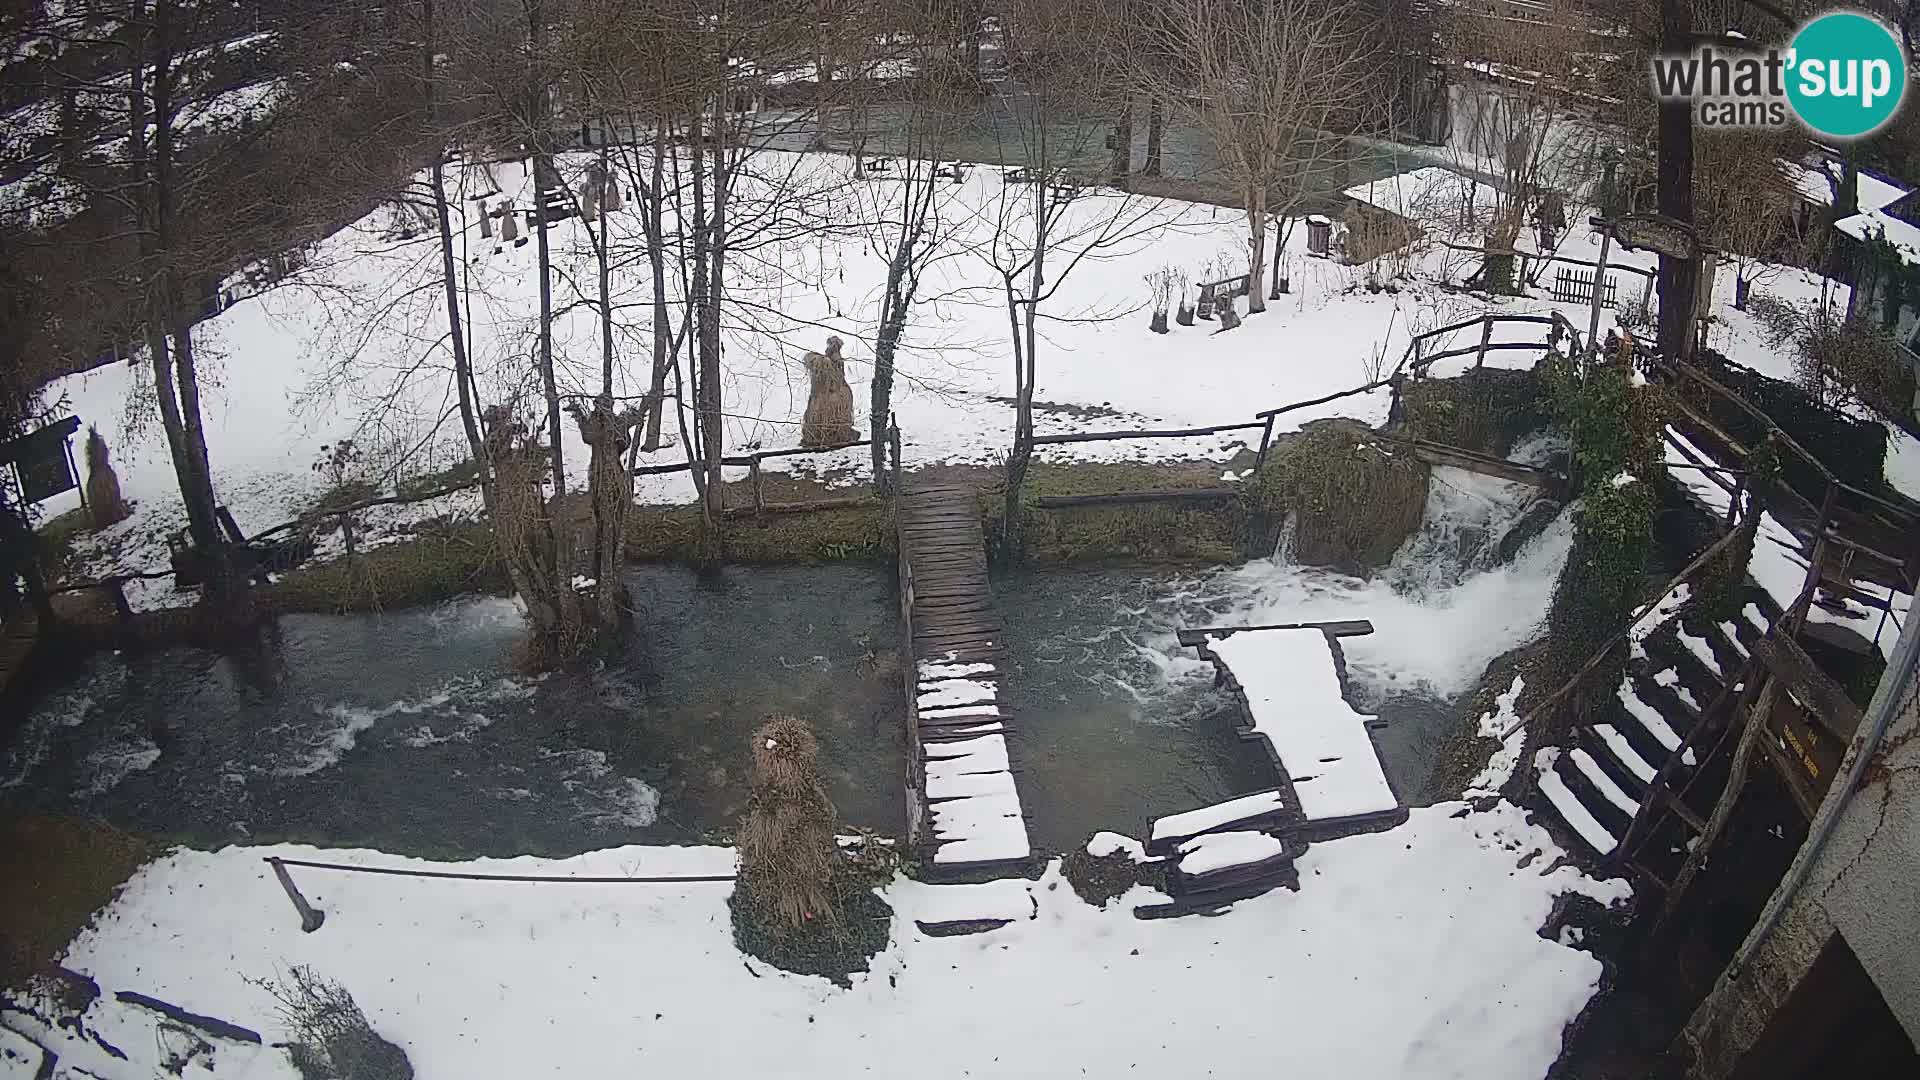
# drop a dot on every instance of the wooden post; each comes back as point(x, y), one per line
point(66, 446)
point(759, 498)
point(1723, 808)
point(1599, 279)
point(310, 916)
point(893, 446)
point(1266, 442)
point(1733, 508)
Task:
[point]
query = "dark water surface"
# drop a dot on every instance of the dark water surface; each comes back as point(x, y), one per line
point(409, 732)
point(1118, 725)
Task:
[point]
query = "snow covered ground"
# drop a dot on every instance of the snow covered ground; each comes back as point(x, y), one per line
point(1415, 953)
point(353, 347)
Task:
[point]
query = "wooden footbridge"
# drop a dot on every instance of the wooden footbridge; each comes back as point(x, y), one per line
point(961, 792)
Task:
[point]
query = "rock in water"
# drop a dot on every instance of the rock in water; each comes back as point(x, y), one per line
point(828, 420)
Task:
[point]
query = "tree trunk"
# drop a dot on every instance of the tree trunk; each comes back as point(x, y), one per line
point(176, 383)
point(456, 334)
point(1121, 163)
point(1156, 128)
point(654, 208)
point(822, 77)
point(1256, 251)
point(1678, 278)
point(1024, 316)
point(893, 322)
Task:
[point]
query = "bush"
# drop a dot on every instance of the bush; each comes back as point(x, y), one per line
point(1840, 361)
point(1354, 499)
point(1600, 584)
point(331, 1037)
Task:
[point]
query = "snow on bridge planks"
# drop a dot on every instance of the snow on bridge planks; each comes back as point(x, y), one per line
point(1288, 681)
point(974, 819)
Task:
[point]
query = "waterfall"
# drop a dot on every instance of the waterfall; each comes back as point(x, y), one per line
point(1286, 549)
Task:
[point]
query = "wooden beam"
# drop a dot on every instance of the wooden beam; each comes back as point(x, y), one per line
point(1442, 454)
point(1807, 683)
point(1335, 628)
point(1117, 498)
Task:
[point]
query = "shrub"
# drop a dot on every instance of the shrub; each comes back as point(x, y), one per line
point(331, 1037)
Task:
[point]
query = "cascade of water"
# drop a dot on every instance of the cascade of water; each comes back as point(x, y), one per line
point(1285, 549)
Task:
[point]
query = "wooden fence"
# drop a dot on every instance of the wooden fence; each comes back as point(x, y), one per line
point(1413, 364)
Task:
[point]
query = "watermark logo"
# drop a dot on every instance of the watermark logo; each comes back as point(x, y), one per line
point(1843, 76)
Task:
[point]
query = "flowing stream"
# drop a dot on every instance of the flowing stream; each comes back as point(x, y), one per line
point(409, 731)
point(1120, 725)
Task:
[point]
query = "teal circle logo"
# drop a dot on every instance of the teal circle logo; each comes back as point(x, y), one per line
point(1847, 75)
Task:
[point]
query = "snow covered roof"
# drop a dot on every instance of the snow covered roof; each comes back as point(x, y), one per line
point(1812, 184)
point(1873, 224)
point(1430, 195)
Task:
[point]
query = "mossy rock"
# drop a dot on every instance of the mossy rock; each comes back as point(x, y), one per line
point(1355, 497)
point(1100, 880)
point(1487, 410)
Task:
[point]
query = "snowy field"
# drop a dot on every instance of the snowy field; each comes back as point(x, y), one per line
point(1411, 954)
point(354, 347)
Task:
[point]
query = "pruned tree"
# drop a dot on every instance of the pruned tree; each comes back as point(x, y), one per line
point(1273, 81)
point(1742, 199)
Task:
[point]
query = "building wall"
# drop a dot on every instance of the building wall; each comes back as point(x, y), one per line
point(1862, 885)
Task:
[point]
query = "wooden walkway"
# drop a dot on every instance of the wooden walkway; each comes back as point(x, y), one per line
point(964, 806)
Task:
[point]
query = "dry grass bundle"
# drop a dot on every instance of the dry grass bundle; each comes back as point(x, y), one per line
point(104, 501)
point(787, 850)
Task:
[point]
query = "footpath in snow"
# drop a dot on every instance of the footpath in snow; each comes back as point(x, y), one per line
point(1407, 954)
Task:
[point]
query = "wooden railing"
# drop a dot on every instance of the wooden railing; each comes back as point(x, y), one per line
point(757, 483)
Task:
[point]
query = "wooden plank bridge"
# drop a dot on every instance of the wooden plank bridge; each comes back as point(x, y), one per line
point(961, 794)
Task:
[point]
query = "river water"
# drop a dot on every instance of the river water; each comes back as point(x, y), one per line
point(409, 731)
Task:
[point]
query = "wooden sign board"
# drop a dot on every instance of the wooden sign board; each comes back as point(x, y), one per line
point(42, 461)
point(1811, 753)
point(1664, 235)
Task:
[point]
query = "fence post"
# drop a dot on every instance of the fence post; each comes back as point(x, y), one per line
point(1266, 441)
point(759, 498)
point(1486, 336)
point(893, 445)
point(310, 917)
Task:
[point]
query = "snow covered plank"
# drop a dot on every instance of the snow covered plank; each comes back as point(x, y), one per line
point(1291, 687)
point(1603, 783)
point(1212, 852)
point(956, 692)
point(1569, 807)
point(1648, 716)
point(1262, 809)
point(945, 910)
point(1623, 751)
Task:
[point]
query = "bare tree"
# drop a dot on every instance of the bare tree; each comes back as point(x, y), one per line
point(1047, 227)
point(1272, 81)
point(1519, 133)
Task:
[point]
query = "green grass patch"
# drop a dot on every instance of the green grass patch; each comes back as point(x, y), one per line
point(1154, 532)
point(440, 560)
point(58, 874)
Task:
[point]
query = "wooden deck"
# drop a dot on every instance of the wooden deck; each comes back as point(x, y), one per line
point(964, 806)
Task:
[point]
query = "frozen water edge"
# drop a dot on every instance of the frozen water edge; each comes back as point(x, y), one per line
point(1414, 953)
